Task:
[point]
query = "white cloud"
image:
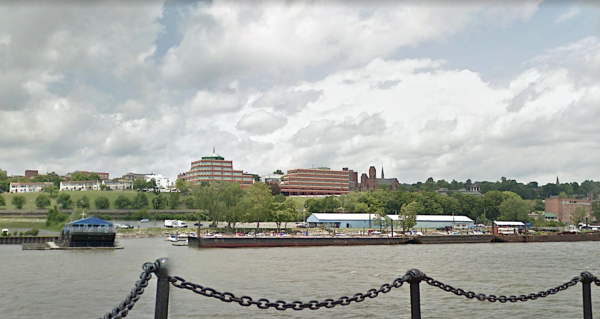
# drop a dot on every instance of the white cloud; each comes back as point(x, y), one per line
point(261, 122)
point(568, 15)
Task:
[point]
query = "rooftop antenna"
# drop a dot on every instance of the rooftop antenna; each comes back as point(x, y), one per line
point(213, 149)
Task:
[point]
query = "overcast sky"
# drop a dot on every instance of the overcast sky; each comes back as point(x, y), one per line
point(470, 90)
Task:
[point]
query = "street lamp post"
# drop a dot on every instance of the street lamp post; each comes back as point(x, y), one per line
point(155, 206)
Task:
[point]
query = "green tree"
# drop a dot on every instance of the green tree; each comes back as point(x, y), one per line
point(189, 202)
point(140, 201)
point(284, 212)
point(95, 177)
point(52, 190)
point(174, 200)
point(491, 202)
point(278, 172)
point(18, 201)
point(579, 215)
point(182, 186)
point(408, 215)
point(55, 218)
point(64, 201)
point(208, 198)
point(102, 203)
point(232, 212)
point(260, 207)
point(42, 201)
point(140, 184)
point(122, 202)
point(83, 202)
point(595, 209)
point(80, 176)
point(515, 209)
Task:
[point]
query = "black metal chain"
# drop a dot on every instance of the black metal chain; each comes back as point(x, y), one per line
point(283, 305)
point(123, 308)
point(503, 299)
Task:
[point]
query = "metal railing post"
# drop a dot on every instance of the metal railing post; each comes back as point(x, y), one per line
point(586, 279)
point(161, 308)
point(414, 278)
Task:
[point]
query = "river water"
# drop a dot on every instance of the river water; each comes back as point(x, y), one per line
point(86, 284)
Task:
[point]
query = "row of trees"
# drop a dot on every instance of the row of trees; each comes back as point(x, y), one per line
point(494, 205)
point(531, 190)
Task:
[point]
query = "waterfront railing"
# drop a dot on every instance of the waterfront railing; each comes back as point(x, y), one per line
point(413, 278)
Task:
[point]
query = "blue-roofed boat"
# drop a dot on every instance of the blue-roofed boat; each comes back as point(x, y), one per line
point(88, 232)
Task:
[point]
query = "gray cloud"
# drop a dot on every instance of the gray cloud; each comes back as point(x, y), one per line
point(287, 102)
point(261, 122)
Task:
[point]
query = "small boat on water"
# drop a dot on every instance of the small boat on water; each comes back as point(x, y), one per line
point(173, 238)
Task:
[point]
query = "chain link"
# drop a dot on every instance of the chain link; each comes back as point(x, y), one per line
point(503, 299)
point(122, 310)
point(263, 303)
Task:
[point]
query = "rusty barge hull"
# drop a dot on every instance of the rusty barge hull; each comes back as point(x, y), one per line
point(244, 242)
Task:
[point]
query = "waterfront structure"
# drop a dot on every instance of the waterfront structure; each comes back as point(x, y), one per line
point(362, 220)
point(28, 187)
point(441, 221)
point(118, 184)
point(88, 232)
point(161, 181)
point(315, 182)
point(507, 227)
point(79, 185)
point(214, 168)
point(564, 208)
point(371, 182)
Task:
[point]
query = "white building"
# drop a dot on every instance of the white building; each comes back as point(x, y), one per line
point(118, 185)
point(28, 187)
point(362, 220)
point(161, 181)
point(272, 178)
point(79, 185)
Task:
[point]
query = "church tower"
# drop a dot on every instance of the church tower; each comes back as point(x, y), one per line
point(382, 176)
point(557, 183)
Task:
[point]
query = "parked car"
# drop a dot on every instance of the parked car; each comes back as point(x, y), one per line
point(414, 233)
point(196, 224)
point(144, 220)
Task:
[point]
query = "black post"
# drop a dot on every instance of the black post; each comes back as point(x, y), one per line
point(161, 308)
point(586, 279)
point(414, 277)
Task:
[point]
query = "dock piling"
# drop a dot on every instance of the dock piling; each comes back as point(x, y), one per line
point(161, 309)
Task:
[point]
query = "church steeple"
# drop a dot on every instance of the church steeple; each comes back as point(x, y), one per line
point(382, 176)
point(557, 182)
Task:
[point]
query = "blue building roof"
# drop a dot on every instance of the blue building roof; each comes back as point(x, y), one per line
point(92, 221)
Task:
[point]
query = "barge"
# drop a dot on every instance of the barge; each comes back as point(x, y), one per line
point(239, 242)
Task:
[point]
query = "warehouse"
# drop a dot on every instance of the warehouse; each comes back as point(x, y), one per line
point(362, 220)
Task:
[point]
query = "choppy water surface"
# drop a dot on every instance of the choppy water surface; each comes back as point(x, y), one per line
point(86, 284)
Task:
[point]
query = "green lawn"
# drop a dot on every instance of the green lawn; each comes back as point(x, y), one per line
point(75, 196)
point(300, 202)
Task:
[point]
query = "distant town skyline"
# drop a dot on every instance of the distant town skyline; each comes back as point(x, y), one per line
point(469, 90)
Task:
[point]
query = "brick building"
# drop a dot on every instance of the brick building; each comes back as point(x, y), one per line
point(353, 179)
point(371, 182)
point(315, 182)
point(30, 173)
point(565, 207)
point(214, 168)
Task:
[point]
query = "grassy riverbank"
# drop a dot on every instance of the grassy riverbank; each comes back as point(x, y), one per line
point(75, 197)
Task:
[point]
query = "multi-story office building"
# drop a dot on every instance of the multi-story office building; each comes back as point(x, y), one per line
point(214, 168)
point(28, 187)
point(315, 182)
